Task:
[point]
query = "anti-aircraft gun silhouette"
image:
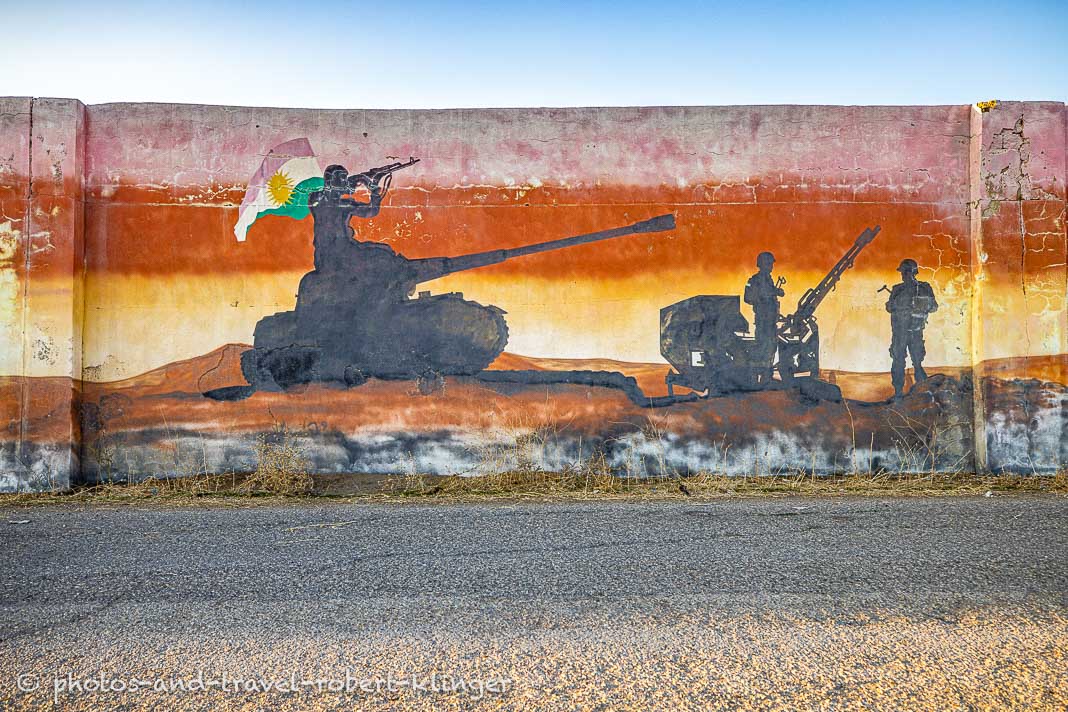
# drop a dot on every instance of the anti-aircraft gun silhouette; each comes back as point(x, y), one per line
point(703, 338)
point(357, 320)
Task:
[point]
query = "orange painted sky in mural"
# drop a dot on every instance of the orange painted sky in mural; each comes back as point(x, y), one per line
point(148, 237)
point(166, 279)
point(170, 281)
point(154, 238)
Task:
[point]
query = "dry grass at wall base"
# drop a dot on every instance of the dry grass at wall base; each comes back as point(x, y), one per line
point(282, 468)
point(282, 485)
point(512, 471)
point(578, 485)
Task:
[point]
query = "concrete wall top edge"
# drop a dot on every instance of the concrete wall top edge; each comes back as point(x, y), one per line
point(183, 144)
point(622, 109)
point(549, 107)
point(109, 105)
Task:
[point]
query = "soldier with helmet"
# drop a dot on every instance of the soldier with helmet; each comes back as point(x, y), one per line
point(910, 303)
point(762, 293)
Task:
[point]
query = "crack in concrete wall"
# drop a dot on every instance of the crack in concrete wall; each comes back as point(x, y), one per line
point(1005, 166)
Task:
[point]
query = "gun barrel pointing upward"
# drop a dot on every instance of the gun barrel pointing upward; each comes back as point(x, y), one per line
point(811, 299)
point(434, 267)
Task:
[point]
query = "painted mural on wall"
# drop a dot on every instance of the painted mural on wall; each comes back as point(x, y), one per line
point(355, 317)
point(658, 290)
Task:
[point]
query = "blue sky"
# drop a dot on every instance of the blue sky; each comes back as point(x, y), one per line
point(416, 54)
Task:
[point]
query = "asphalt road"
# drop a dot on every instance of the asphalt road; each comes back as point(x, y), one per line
point(763, 604)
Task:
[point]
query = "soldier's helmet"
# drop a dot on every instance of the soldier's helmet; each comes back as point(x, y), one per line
point(335, 177)
point(765, 260)
point(908, 265)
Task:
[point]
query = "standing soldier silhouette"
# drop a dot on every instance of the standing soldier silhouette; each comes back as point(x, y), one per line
point(910, 303)
point(762, 293)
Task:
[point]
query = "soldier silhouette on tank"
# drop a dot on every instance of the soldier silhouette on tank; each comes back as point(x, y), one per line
point(910, 303)
point(333, 208)
point(763, 293)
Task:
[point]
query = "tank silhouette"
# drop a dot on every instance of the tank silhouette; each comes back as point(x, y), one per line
point(355, 317)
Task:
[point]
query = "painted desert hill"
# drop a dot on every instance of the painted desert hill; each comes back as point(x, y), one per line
point(156, 421)
point(215, 369)
point(389, 427)
point(38, 409)
point(222, 367)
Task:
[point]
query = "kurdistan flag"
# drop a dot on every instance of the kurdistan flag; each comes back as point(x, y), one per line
point(281, 186)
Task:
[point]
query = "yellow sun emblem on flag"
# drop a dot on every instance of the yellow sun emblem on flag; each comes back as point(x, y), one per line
point(280, 188)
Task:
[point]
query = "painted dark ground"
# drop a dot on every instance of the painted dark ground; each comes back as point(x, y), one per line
point(473, 425)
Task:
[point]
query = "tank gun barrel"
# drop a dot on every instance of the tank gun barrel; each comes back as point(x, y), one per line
point(433, 267)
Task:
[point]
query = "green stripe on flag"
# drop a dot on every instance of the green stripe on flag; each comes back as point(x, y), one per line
point(297, 205)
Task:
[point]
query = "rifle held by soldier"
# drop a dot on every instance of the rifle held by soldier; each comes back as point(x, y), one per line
point(372, 177)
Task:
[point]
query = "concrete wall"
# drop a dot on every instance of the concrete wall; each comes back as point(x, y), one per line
point(125, 297)
point(1018, 234)
point(42, 162)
